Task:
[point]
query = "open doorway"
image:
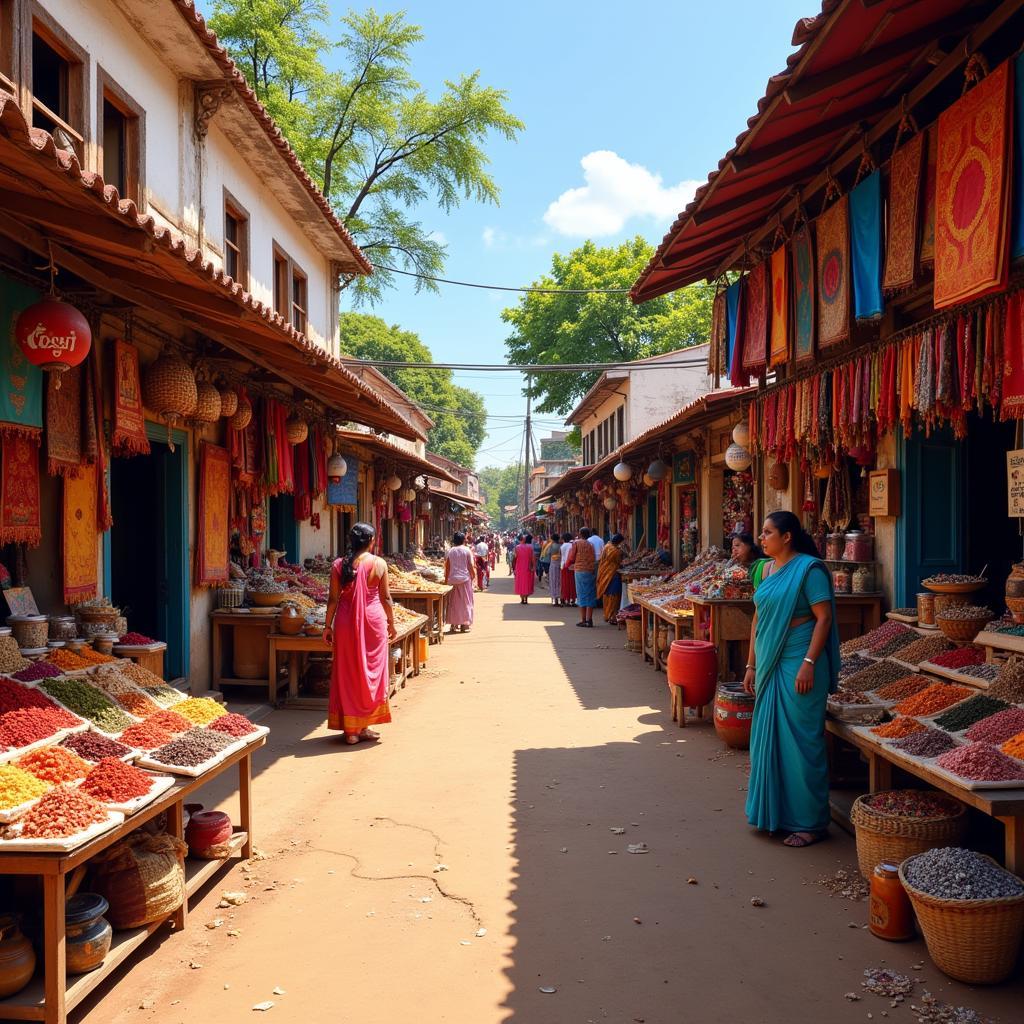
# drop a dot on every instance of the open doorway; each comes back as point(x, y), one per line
point(282, 529)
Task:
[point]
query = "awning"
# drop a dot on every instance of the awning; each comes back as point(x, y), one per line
point(472, 504)
point(402, 457)
point(569, 479)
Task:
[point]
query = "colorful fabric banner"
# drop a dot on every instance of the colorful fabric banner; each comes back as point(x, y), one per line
point(64, 422)
point(717, 346)
point(81, 575)
point(1013, 359)
point(755, 321)
point(736, 307)
point(972, 192)
point(931, 169)
point(94, 433)
point(19, 490)
point(904, 204)
point(1017, 200)
point(804, 317)
point(833, 243)
point(732, 307)
point(21, 383)
point(212, 545)
point(779, 348)
point(866, 246)
point(129, 436)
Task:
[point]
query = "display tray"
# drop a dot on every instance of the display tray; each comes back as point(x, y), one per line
point(193, 771)
point(161, 783)
point(955, 675)
point(9, 814)
point(910, 620)
point(157, 645)
point(65, 845)
point(6, 756)
point(978, 783)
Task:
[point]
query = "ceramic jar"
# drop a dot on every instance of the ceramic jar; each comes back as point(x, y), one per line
point(17, 957)
point(206, 830)
point(290, 621)
point(88, 932)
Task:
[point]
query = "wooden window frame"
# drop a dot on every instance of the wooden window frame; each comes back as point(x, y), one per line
point(281, 289)
point(299, 312)
point(10, 50)
point(293, 270)
point(620, 423)
point(107, 90)
point(235, 210)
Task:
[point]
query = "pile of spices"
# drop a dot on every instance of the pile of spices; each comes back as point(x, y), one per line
point(998, 727)
point(87, 701)
point(93, 657)
point(875, 676)
point(23, 726)
point(67, 661)
point(145, 735)
point(91, 746)
point(10, 656)
point(192, 748)
point(966, 611)
point(37, 670)
point(239, 725)
point(125, 693)
point(952, 577)
point(136, 640)
point(960, 657)
point(13, 696)
point(839, 697)
point(905, 687)
point(984, 671)
point(171, 722)
point(140, 676)
point(54, 765)
point(923, 649)
point(1009, 684)
point(911, 803)
point(848, 884)
point(18, 786)
point(897, 728)
point(933, 699)
point(200, 710)
point(907, 613)
point(61, 812)
point(166, 696)
point(933, 1011)
point(876, 636)
point(880, 981)
point(952, 873)
point(981, 762)
point(929, 743)
point(894, 645)
point(1014, 746)
point(114, 782)
point(964, 715)
point(1007, 628)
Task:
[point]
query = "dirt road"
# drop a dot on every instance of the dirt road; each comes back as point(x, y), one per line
point(468, 863)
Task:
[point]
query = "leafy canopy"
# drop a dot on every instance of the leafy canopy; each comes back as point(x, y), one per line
point(599, 328)
point(460, 420)
point(501, 486)
point(377, 145)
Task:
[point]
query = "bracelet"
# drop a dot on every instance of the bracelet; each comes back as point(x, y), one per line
point(810, 661)
point(752, 668)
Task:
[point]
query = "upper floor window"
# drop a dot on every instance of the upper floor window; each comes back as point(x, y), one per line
point(58, 88)
point(120, 124)
point(291, 290)
point(620, 422)
point(299, 299)
point(236, 242)
point(8, 47)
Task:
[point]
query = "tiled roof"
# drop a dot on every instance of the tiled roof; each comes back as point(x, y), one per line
point(397, 452)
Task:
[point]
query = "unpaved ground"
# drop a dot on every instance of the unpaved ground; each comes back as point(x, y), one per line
point(510, 760)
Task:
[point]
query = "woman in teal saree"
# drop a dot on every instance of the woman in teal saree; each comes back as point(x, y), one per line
point(791, 669)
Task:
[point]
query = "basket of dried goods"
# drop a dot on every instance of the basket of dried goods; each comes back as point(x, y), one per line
point(953, 583)
point(897, 823)
point(971, 912)
point(964, 622)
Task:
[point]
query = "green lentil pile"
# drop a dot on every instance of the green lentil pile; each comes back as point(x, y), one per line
point(78, 696)
point(965, 714)
point(876, 675)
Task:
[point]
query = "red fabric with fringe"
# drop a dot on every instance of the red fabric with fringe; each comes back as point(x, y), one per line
point(129, 436)
point(64, 422)
point(19, 490)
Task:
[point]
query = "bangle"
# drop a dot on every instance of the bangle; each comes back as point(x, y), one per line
point(752, 668)
point(810, 661)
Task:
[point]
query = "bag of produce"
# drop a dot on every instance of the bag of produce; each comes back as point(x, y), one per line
point(142, 878)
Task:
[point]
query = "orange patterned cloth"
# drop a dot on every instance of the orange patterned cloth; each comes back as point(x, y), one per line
point(833, 231)
point(19, 490)
point(129, 436)
point(972, 192)
point(755, 320)
point(780, 307)
point(81, 579)
point(904, 203)
point(212, 552)
point(928, 224)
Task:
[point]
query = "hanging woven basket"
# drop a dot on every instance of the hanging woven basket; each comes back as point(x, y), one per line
point(243, 414)
point(228, 401)
point(207, 403)
point(296, 430)
point(169, 388)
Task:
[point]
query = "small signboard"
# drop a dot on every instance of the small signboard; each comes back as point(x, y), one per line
point(684, 468)
point(884, 492)
point(346, 490)
point(1015, 482)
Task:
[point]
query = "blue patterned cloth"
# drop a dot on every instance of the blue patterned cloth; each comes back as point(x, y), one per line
point(866, 243)
point(586, 590)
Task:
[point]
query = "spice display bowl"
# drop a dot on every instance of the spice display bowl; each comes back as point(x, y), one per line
point(267, 599)
point(955, 588)
point(961, 630)
point(64, 843)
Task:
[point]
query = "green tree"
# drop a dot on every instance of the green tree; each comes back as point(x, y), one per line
point(460, 420)
point(376, 143)
point(599, 328)
point(501, 486)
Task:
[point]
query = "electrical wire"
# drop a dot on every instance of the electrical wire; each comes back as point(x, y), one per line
point(503, 288)
point(527, 369)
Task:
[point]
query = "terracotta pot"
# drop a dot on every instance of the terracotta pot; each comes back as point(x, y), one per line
point(734, 711)
point(291, 621)
point(88, 932)
point(693, 665)
point(17, 957)
point(207, 829)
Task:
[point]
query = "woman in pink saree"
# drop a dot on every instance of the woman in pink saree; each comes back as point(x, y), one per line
point(360, 626)
point(524, 566)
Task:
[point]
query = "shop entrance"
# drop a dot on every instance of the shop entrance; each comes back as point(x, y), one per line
point(282, 529)
point(147, 552)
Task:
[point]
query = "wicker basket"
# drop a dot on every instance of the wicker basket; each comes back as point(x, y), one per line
point(230, 597)
point(888, 837)
point(169, 387)
point(974, 941)
point(296, 430)
point(633, 631)
point(243, 414)
point(961, 630)
point(228, 401)
point(207, 403)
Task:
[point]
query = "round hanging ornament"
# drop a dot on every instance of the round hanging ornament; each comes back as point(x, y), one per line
point(53, 335)
point(296, 430)
point(243, 414)
point(610, 502)
point(208, 404)
point(169, 388)
point(622, 471)
point(337, 467)
point(649, 480)
point(394, 482)
point(741, 434)
point(737, 457)
point(657, 470)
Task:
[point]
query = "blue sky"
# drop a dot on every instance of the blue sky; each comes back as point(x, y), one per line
point(631, 106)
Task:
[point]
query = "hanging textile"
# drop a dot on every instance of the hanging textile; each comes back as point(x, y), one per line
point(833, 243)
point(755, 321)
point(737, 317)
point(972, 192)
point(804, 318)
point(1013, 359)
point(212, 550)
point(21, 383)
point(732, 308)
point(90, 431)
point(717, 346)
point(78, 537)
point(866, 246)
point(303, 497)
point(779, 347)
point(931, 170)
point(904, 203)
point(129, 435)
point(104, 514)
point(1017, 200)
point(19, 490)
point(64, 422)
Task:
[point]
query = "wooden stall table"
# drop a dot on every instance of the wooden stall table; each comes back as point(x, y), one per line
point(52, 994)
point(149, 657)
point(857, 614)
point(680, 622)
point(997, 645)
point(224, 625)
point(1005, 805)
point(432, 604)
point(631, 575)
point(722, 621)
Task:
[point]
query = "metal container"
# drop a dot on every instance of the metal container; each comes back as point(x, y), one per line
point(926, 609)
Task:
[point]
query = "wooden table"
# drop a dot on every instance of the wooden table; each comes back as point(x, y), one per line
point(857, 614)
point(681, 624)
point(433, 604)
point(632, 575)
point(49, 998)
point(722, 621)
point(1004, 643)
point(222, 630)
point(1006, 805)
point(151, 658)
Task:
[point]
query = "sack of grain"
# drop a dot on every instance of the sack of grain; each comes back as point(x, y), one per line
point(142, 878)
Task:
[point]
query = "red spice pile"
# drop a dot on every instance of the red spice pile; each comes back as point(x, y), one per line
point(61, 812)
point(54, 764)
point(136, 640)
point(959, 657)
point(233, 725)
point(37, 670)
point(145, 735)
point(981, 762)
point(115, 782)
point(170, 721)
point(28, 725)
point(13, 696)
point(936, 698)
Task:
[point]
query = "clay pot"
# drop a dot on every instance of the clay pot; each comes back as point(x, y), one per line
point(290, 621)
point(693, 665)
point(88, 932)
point(206, 831)
point(17, 957)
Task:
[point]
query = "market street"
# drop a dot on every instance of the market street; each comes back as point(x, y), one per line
point(510, 761)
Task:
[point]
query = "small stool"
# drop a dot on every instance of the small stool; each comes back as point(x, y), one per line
point(678, 708)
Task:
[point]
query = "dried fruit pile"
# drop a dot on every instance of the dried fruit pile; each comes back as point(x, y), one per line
point(905, 687)
point(192, 748)
point(897, 728)
point(23, 726)
point(929, 743)
point(139, 675)
point(67, 661)
point(166, 696)
point(923, 649)
point(54, 765)
point(93, 747)
point(879, 674)
point(171, 721)
point(94, 657)
point(233, 725)
point(13, 696)
point(145, 735)
point(958, 657)
point(61, 812)
point(933, 699)
point(125, 693)
point(987, 672)
point(114, 782)
point(37, 670)
point(981, 762)
point(998, 727)
point(10, 657)
point(18, 786)
point(952, 873)
point(87, 701)
point(964, 715)
point(200, 710)
point(876, 636)
point(911, 803)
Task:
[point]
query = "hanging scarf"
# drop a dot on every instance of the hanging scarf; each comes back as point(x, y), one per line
point(866, 247)
point(717, 338)
point(129, 434)
point(735, 307)
point(104, 513)
point(755, 321)
point(20, 521)
point(79, 533)
point(931, 171)
point(804, 317)
point(64, 422)
point(779, 347)
point(213, 533)
point(833, 244)
point(904, 204)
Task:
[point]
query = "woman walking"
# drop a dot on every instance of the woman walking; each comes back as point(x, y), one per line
point(523, 565)
point(568, 586)
point(582, 560)
point(458, 571)
point(360, 624)
point(792, 666)
point(609, 580)
point(555, 569)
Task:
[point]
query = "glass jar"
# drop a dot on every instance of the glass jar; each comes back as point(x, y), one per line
point(926, 609)
point(842, 580)
point(889, 915)
point(834, 545)
point(859, 547)
point(62, 627)
point(864, 580)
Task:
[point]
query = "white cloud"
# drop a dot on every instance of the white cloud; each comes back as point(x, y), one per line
point(615, 192)
point(490, 237)
point(439, 237)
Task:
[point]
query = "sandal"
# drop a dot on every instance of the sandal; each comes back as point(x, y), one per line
point(798, 840)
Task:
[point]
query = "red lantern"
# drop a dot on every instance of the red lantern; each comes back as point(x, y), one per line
point(53, 335)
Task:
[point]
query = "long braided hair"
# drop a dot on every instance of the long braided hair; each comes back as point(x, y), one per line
point(360, 537)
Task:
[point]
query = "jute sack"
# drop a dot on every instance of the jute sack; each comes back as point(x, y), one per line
point(142, 878)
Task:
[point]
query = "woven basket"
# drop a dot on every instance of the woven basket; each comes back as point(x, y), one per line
point(974, 941)
point(665, 638)
point(142, 878)
point(230, 597)
point(633, 631)
point(962, 630)
point(243, 414)
point(296, 430)
point(169, 387)
point(888, 837)
point(228, 401)
point(207, 403)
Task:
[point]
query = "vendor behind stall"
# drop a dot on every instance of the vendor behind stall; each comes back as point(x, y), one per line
point(746, 552)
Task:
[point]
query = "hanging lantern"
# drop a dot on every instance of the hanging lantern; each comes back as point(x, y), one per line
point(649, 480)
point(208, 404)
point(337, 467)
point(394, 482)
point(243, 414)
point(296, 430)
point(622, 471)
point(657, 470)
point(737, 457)
point(610, 502)
point(741, 433)
point(169, 388)
point(409, 494)
point(228, 401)
point(53, 335)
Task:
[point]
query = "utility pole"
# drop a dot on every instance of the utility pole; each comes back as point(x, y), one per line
point(526, 453)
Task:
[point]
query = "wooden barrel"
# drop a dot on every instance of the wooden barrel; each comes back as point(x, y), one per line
point(734, 710)
point(693, 666)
